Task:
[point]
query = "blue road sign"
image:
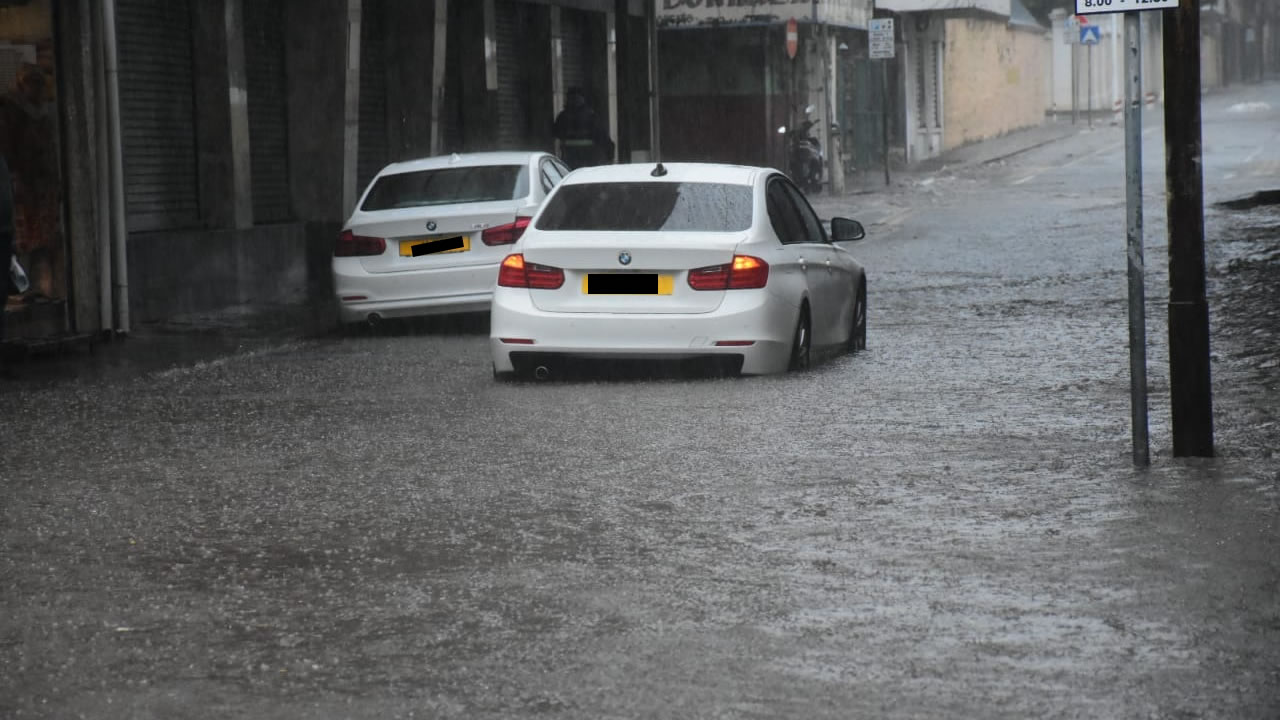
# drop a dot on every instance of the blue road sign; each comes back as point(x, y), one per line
point(1090, 35)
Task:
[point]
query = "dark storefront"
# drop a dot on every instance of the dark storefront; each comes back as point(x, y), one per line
point(244, 133)
point(29, 133)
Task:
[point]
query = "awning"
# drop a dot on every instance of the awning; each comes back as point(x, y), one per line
point(704, 13)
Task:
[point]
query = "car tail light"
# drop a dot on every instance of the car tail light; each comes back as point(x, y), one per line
point(352, 245)
point(505, 234)
point(744, 273)
point(515, 272)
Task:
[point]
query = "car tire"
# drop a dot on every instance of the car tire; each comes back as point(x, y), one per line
point(858, 331)
point(801, 343)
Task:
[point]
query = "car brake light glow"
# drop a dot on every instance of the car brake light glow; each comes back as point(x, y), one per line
point(352, 245)
point(505, 234)
point(744, 273)
point(515, 272)
point(517, 341)
point(734, 343)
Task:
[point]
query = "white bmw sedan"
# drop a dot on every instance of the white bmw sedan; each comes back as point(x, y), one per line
point(675, 262)
point(427, 236)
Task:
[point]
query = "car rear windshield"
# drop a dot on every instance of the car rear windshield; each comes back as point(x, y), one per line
point(649, 207)
point(448, 186)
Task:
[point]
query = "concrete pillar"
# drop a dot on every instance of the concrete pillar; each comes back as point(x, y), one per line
point(222, 135)
point(77, 65)
point(238, 108)
point(439, 58)
point(411, 88)
point(351, 108)
point(611, 61)
point(557, 64)
point(315, 63)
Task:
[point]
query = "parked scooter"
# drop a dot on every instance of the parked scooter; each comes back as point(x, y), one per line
point(804, 153)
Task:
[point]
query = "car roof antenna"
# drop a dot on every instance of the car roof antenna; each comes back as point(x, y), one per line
point(659, 171)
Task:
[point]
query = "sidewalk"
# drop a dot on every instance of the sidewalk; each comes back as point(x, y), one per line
point(178, 342)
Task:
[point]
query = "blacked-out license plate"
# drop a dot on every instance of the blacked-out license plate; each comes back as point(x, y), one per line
point(431, 246)
point(627, 284)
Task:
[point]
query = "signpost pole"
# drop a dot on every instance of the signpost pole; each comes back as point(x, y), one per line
point(884, 117)
point(1133, 190)
point(1133, 200)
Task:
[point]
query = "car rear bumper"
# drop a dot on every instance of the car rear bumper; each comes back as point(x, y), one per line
point(436, 291)
point(753, 316)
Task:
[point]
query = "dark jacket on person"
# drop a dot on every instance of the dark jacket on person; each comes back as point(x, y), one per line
point(583, 140)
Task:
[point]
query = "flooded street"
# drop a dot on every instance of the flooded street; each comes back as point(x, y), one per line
point(947, 524)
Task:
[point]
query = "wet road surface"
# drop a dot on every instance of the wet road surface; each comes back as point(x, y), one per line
point(945, 525)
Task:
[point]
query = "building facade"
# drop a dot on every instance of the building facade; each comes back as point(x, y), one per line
point(972, 70)
point(729, 78)
point(183, 156)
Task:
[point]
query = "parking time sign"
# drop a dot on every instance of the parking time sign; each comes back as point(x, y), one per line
point(1094, 7)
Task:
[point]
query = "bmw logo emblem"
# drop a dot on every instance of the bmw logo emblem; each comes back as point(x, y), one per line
point(431, 225)
point(624, 257)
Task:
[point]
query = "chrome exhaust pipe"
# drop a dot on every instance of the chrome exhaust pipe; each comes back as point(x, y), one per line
point(541, 372)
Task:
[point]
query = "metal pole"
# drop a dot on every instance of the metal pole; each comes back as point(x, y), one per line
point(119, 232)
point(884, 115)
point(1089, 71)
point(106, 314)
point(1190, 385)
point(1075, 83)
point(1133, 198)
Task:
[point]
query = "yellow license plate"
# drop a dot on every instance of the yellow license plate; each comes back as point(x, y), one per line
point(628, 284)
point(417, 247)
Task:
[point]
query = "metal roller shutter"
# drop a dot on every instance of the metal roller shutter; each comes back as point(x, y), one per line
point(372, 152)
point(513, 110)
point(157, 108)
point(268, 110)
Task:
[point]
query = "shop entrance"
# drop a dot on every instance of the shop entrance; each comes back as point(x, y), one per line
point(28, 143)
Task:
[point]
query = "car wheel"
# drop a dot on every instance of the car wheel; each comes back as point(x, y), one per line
point(858, 331)
point(801, 343)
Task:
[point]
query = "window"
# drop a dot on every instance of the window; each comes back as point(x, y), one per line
point(448, 186)
point(786, 222)
point(813, 230)
point(649, 207)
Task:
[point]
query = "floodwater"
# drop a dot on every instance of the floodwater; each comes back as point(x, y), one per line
point(947, 524)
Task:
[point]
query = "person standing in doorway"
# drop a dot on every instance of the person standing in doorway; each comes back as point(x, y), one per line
point(6, 252)
point(583, 139)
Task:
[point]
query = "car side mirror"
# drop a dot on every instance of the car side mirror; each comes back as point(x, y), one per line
point(846, 230)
